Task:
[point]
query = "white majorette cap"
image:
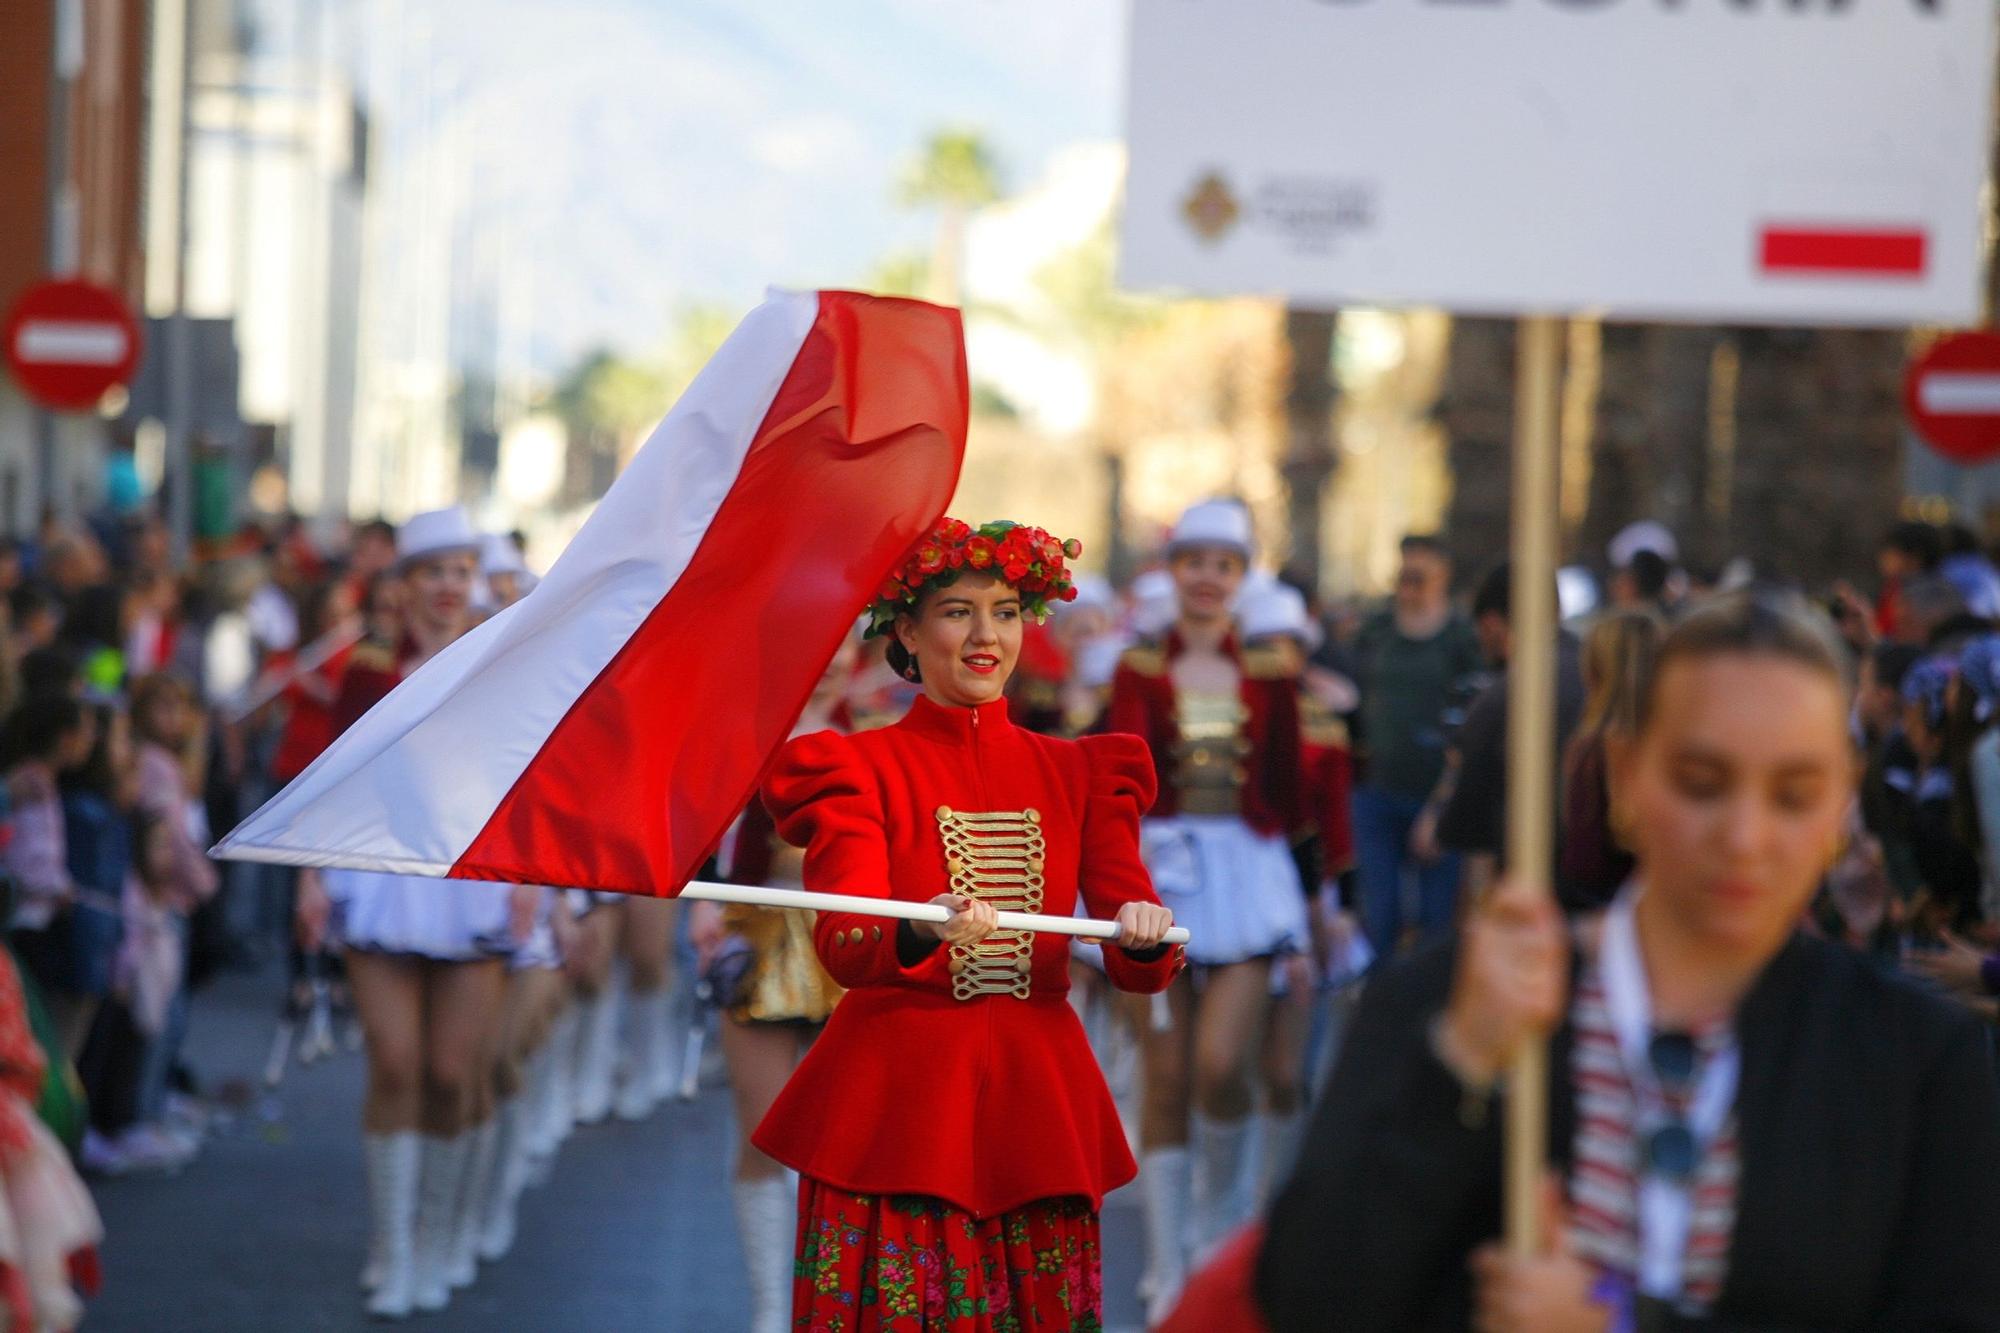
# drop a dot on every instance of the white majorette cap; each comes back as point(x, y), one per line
point(1266, 608)
point(433, 533)
point(1645, 535)
point(499, 555)
point(1223, 523)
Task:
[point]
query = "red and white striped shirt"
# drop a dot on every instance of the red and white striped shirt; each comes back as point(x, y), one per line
point(1607, 1164)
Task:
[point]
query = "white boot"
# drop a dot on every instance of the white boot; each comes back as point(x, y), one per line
point(1219, 1198)
point(545, 1110)
point(563, 1045)
point(445, 1164)
point(767, 1222)
point(1282, 1132)
point(464, 1265)
point(510, 1174)
point(597, 1056)
point(393, 1162)
point(676, 1018)
point(645, 1051)
point(1163, 1200)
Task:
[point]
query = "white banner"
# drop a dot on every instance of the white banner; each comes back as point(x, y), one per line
point(1760, 161)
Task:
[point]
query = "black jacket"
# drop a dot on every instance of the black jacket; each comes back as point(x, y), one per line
point(1869, 1197)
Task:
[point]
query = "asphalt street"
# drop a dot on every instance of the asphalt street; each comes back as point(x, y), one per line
point(265, 1232)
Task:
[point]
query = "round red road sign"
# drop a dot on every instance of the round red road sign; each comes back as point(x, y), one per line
point(1952, 396)
point(68, 341)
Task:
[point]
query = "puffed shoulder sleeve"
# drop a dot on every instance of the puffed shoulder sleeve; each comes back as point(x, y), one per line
point(823, 797)
point(1122, 788)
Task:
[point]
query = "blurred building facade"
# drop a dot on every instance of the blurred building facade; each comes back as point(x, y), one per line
point(72, 142)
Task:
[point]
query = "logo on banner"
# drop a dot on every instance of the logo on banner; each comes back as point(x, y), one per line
point(1311, 215)
point(1210, 208)
point(1308, 215)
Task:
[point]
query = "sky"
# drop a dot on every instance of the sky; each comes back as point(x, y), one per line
point(636, 156)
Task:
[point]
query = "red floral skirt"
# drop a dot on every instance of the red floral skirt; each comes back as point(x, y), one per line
point(905, 1263)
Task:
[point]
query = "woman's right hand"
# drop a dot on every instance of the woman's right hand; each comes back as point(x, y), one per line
point(1513, 978)
point(310, 912)
point(972, 921)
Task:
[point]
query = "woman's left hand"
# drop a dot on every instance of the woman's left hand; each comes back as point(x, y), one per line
point(1141, 926)
point(1550, 1293)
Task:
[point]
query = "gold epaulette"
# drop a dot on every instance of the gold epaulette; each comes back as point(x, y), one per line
point(373, 655)
point(1147, 659)
point(1324, 729)
point(1272, 659)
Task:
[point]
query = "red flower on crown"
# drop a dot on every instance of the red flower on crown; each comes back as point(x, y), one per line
point(1029, 559)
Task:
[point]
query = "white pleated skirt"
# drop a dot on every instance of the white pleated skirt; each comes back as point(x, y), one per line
point(1235, 889)
point(452, 920)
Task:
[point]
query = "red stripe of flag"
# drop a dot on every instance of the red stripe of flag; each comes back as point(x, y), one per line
point(1892, 252)
point(855, 459)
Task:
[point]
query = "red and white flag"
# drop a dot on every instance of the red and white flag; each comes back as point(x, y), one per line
point(602, 732)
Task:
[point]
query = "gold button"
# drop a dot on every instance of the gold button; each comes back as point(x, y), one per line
point(1025, 963)
point(944, 812)
point(954, 866)
point(1034, 865)
point(957, 965)
point(840, 939)
point(855, 934)
point(878, 933)
point(1032, 815)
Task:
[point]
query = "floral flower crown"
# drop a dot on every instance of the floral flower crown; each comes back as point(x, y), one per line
point(1028, 559)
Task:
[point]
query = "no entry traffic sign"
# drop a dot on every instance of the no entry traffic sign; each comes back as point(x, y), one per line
point(69, 341)
point(1952, 396)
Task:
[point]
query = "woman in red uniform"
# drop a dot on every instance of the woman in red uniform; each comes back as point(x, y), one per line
point(426, 959)
point(1221, 718)
point(953, 1135)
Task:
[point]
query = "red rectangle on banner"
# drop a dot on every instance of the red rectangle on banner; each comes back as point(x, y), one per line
point(1859, 252)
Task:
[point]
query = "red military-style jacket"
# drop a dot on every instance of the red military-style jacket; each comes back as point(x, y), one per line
point(374, 668)
point(964, 1075)
point(1277, 791)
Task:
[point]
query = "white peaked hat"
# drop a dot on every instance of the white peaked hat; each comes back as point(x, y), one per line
point(1214, 523)
point(1645, 535)
point(434, 532)
point(1266, 607)
point(499, 555)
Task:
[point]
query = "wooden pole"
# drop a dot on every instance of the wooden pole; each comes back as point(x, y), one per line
point(1531, 730)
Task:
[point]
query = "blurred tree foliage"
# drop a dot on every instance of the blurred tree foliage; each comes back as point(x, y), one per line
point(955, 172)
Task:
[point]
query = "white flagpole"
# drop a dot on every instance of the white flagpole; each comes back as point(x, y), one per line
point(754, 896)
point(313, 656)
point(749, 894)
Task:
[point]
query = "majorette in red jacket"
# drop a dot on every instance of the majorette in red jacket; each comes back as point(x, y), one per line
point(965, 1076)
point(1279, 795)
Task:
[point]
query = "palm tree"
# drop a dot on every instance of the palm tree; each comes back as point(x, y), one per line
point(955, 173)
point(1652, 451)
point(1475, 407)
point(1309, 458)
